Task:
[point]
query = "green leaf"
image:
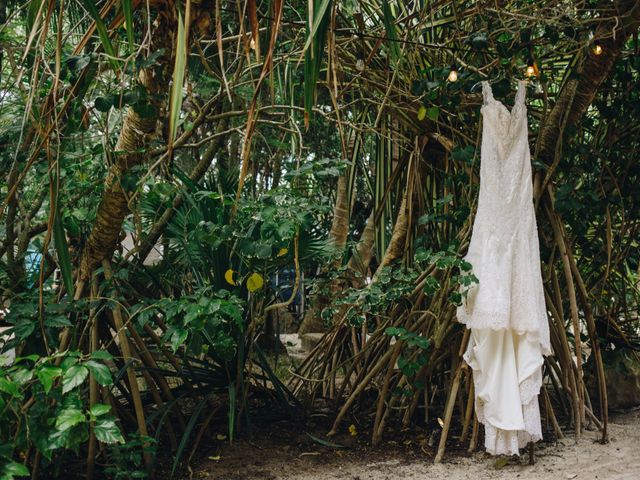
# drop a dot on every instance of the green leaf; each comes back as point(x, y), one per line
point(13, 469)
point(128, 22)
point(22, 376)
point(180, 64)
point(463, 154)
point(34, 8)
point(431, 285)
point(432, 113)
point(263, 250)
point(178, 337)
point(101, 355)
point(313, 50)
point(47, 375)
point(106, 431)
point(100, 372)
point(104, 104)
point(68, 418)
point(91, 7)
point(74, 377)
point(187, 432)
point(390, 28)
point(57, 321)
point(100, 409)
point(318, 15)
point(9, 387)
point(480, 41)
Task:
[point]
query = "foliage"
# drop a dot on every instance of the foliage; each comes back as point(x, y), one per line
point(56, 417)
point(125, 128)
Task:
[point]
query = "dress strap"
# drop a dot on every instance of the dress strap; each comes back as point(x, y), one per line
point(522, 91)
point(487, 94)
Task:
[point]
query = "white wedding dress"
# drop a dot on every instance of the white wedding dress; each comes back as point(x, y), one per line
point(506, 309)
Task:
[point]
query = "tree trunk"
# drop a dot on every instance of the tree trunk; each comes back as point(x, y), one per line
point(395, 249)
point(133, 139)
point(340, 225)
point(361, 257)
point(410, 206)
point(338, 236)
point(578, 93)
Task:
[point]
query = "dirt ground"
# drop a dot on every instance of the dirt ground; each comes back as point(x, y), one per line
point(298, 457)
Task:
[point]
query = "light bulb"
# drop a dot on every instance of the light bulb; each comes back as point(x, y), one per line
point(531, 68)
point(360, 65)
point(597, 48)
point(453, 74)
point(252, 44)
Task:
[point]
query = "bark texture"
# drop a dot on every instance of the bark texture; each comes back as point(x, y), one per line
point(130, 148)
point(361, 258)
point(340, 224)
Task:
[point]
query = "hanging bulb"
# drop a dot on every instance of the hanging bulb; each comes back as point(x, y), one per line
point(453, 73)
point(360, 64)
point(532, 69)
point(252, 44)
point(597, 48)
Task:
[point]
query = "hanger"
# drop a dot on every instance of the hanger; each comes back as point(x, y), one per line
point(495, 79)
point(527, 81)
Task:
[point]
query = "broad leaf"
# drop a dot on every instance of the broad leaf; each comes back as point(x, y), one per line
point(47, 376)
point(100, 409)
point(100, 372)
point(106, 431)
point(74, 377)
point(68, 418)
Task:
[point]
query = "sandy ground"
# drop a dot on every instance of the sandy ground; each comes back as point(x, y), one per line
point(569, 459)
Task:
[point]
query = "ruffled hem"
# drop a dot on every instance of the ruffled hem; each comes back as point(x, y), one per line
point(498, 440)
point(500, 321)
point(510, 442)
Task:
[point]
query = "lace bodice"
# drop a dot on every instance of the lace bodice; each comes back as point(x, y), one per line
point(504, 248)
point(505, 170)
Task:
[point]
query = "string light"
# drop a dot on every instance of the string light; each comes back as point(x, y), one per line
point(453, 73)
point(597, 48)
point(532, 69)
